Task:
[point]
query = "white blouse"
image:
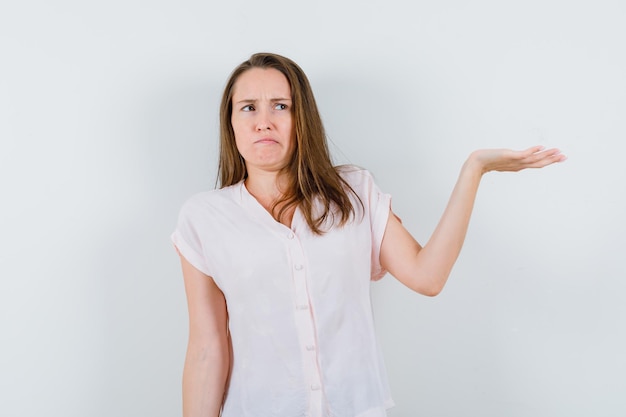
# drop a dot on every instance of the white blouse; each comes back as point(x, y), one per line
point(299, 306)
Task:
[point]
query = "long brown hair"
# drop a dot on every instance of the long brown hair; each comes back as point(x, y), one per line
point(310, 171)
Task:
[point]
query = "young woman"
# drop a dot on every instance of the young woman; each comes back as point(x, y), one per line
point(277, 263)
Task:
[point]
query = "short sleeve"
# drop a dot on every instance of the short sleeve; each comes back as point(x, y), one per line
point(379, 209)
point(187, 237)
point(376, 205)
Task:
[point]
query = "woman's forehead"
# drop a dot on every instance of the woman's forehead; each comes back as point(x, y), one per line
point(261, 83)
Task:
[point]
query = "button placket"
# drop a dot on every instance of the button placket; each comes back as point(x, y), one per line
point(305, 324)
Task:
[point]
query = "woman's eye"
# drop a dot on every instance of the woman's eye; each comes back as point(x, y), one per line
point(280, 106)
point(249, 107)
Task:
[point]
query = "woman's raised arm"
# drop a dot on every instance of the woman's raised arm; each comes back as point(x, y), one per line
point(426, 269)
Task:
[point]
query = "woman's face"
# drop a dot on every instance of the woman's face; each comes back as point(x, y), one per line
point(262, 119)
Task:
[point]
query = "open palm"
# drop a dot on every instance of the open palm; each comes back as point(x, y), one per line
point(510, 160)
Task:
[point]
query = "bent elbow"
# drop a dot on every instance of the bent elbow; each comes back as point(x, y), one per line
point(424, 283)
point(432, 291)
point(430, 288)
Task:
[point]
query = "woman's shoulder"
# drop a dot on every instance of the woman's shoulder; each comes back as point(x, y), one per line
point(355, 175)
point(202, 200)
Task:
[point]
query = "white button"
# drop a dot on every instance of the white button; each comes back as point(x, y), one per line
point(290, 236)
point(303, 307)
point(310, 347)
point(315, 387)
point(298, 267)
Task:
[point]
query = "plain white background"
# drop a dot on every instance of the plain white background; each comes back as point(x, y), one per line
point(109, 122)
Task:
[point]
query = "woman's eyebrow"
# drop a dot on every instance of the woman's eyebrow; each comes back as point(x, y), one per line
point(253, 100)
point(246, 100)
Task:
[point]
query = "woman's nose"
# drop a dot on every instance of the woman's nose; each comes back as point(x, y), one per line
point(263, 121)
point(262, 126)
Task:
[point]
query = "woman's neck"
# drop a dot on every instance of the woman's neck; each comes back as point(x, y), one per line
point(268, 188)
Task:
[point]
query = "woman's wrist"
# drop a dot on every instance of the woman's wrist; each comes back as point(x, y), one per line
point(474, 165)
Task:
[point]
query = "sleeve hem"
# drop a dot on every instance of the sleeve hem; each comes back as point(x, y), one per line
point(195, 259)
point(379, 227)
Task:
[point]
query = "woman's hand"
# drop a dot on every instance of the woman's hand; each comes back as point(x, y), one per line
point(508, 160)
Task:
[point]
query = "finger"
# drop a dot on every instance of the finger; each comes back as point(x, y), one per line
point(538, 156)
point(549, 157)
point(533, 150)
point(526, 155)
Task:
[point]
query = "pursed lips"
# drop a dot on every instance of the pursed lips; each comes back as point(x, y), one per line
point(264, 141)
